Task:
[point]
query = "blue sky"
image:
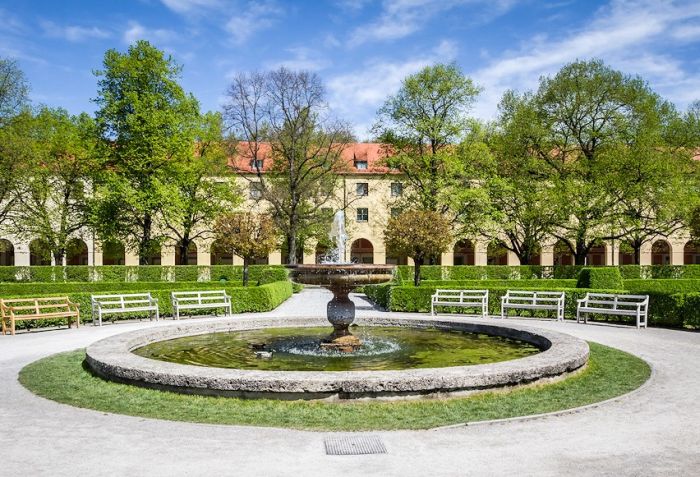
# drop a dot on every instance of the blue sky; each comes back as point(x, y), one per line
point(362, 49)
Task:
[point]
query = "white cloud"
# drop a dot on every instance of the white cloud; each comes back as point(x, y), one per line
point(190, 6)
point(687, 32)
point(401, 18)
point(302, 59)
point(73, 33)
point(625, 34)
point(136, 31)
point(255, 17)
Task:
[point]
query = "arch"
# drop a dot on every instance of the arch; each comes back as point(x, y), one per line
point(596, 255)
point(113, 253)
point(691, 253)
point(496, 254)
point(190, 258)
point(626, 254)
point(562, 254)
point(464, 253)
point(362, 251)
point(7, 253)
point(76, 252)
point(39, 252)
point(219, 255)
point(660, 253)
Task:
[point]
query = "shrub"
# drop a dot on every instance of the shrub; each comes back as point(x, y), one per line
point(667, 285)
point(631, 271)
point(379, 294)
point(688, 306)
point(600, 277)
point(54, 288)
point(542, 284)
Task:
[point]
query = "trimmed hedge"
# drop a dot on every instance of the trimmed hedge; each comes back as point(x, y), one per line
point(543, 283)
point(260, 274)
point(598, 278)
point(53, 288)
point(243, 299)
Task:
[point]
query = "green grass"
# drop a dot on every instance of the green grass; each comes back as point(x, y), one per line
point(62, 378)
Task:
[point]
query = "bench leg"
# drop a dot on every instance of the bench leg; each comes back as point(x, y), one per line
point(432, 310)
point(230, 310)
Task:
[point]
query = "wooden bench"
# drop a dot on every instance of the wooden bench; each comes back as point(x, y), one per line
point(106, 304)
point(461, 298)
point(193, 300)
point(608, 304)
point(18, 309)
point(533, 300)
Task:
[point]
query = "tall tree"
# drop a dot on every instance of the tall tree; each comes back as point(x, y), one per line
point(52, 200)
point(247, 235)
point(583, 116)
point(203, 187)
point(146, 123)
point(419, 234)
point(421, 125)
point(13, 90)
point(290, 145)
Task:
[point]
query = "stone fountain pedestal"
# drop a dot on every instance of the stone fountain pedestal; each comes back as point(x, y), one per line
point(341, 280)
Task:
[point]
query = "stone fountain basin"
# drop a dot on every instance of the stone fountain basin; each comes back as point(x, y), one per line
point(111, 358)
point(350, 275)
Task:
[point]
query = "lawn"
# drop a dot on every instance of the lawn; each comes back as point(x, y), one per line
point(63, 378)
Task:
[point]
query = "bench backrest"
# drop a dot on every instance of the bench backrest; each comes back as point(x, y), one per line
point(35, 306)
point(460, 295)
point(533, 297)
point(122, 301)
point(203, 296)
point(607, 300)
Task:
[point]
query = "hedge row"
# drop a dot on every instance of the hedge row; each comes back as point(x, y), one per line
point(243, 299)
point(529, 272)
point(525, 283)
point(55, 288)
point(152, 273)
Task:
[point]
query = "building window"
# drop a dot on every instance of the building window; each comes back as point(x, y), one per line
point(361, 165)
point(362, 214)
point(362, 188)
point(396, 189)
point(255, 190)
point(256, 164)
point(395, 212)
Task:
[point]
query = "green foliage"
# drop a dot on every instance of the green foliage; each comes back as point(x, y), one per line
point(54, 288)
point(600, 277)
point(688, 306)
point(540, 283)
point(14, 90)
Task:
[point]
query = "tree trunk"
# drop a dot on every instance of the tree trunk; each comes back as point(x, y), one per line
point(637, 253)
point(184, 247)
point(291, 248)
point(416, 271)
point(581, 253)
point(145, 245)
point(246, 263)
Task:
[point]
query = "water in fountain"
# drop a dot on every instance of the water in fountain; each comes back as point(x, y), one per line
point(338, 237)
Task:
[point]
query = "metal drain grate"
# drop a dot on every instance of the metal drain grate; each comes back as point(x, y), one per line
point(354, 445)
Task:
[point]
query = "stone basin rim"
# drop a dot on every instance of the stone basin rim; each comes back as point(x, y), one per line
point(111, 358)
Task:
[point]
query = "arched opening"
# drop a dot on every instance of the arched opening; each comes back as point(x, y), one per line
point(464, 252)
point(393, 258)
point(536, 258)
point(660, 253)
point(321, 253)
point(153, 257)
point(113, 253)
point(190, 258)
point(562, 254)
point(362, 251)
point(496, 254)
point(7, 253)
point(596, 255)
point(691, 253)
point(76, 252)
point(219, 255)
point(39, 253)
point(626, 254)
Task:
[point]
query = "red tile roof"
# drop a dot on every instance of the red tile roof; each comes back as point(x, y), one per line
point(373, 153)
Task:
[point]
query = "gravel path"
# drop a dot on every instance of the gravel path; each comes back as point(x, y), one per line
point(655, 431)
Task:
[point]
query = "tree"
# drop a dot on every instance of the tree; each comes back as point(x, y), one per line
point(146, 123)
point(421, 125)
point(581, 119)
point(247, 235)
point(13, 90)
point(51, 202)
point(419, 234)
point(290, 144)
point(203, 187)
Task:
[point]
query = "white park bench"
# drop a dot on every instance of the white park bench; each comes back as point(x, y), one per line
point(132, 302)
point(195, 300)
point(608, 304)
point(533, 300)
point(461, 298)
